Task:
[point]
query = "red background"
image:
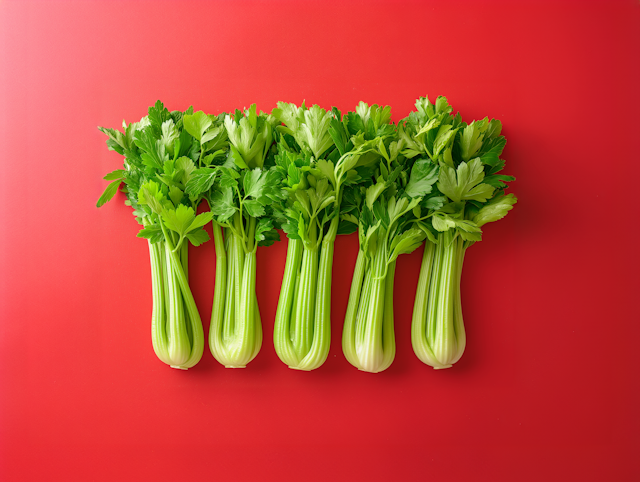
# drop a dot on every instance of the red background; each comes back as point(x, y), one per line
point(548, 386)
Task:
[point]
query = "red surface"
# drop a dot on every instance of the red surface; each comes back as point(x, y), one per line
point(548, 386)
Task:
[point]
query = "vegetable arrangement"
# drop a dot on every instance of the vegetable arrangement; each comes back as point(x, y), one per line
point(314, 174)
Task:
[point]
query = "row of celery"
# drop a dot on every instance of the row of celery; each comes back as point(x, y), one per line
point(314, 174)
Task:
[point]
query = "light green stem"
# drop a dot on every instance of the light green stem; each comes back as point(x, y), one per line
point(159, 313)
point(183, 351)
point(220, 292)
point(368, 339)
point(437, 331)
point(286, 305)
point(319, 350)
point(302, 332)
point(388, 330)
point(235, 336)
point(349, 329)
point(369, 347)
point(176, 330)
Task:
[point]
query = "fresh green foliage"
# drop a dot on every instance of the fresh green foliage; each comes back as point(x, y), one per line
point(167, 158)
point(469, 193)
point(430, 131)
point(251, 136)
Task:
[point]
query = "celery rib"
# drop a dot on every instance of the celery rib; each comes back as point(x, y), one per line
point(437, 332)
point(235, 336)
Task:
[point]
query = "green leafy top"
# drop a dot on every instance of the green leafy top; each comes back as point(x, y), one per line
point(304, 149)
point(242, 191)
point(429, 132)
point(329, 174)
point(322, 155)
point(251, 136)
point(384, 206)
point(469, 192)
point(163, 152)
point(308, 127)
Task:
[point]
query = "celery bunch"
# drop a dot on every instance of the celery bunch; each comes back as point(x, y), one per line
point(315, 174)
point(469, 194)
point(240, 193)
point(318, 161)
point(383, 210)
point(160, 158)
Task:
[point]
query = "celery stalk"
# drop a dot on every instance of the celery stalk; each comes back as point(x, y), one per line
point(437, 330)
point(302, 332)
point(368, 340)
point(235, 335)
point(176, 330)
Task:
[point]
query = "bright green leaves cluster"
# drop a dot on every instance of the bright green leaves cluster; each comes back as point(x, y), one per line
point(313, 207)
point(369, 121)
point(211, 135)
point(385, 223)
point(213, 140)
point(185, 223)
point(323, 157)
point(397, 186)
point(479, 138)
point(451, 217)
point(465, 182)
point(309, 127)
point(315, 130)
point(386, 216)
point(305, 162)
point(467, 159)
point(250, 136)
point(164, 156)
point(430, 131)
point(242, 186)
point(238, 196)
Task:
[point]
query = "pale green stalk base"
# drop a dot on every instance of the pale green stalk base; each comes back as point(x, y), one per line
point(176, 329)
point(437, 328)
point(368, 339)
point(302, 331)
point(235, 335)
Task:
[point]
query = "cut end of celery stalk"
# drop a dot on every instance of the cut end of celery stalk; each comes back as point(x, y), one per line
point(178, 367)
point(235, 366)
point(442, 368)
point(369, 371)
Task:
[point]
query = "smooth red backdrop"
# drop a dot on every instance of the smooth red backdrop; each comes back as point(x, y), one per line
point(548, 386)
